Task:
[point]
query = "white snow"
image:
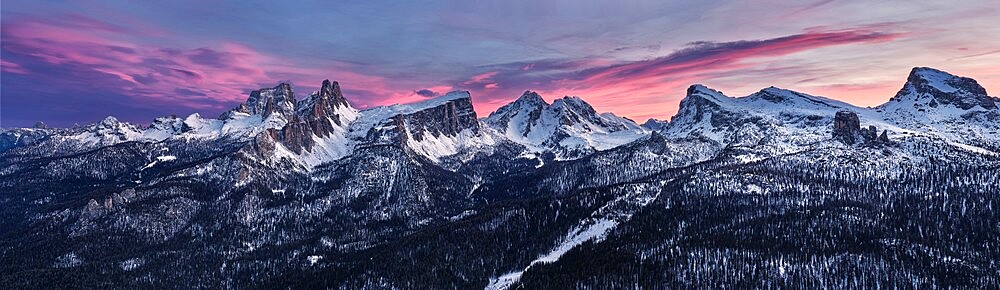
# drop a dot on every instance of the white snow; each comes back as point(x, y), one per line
point(166, 158)
point(504, 282)
point(596, 231)
point(595, 228)
point(540, 127)
point(937, 79)
point(462, 215)
point(974, 149)
point(314, 259)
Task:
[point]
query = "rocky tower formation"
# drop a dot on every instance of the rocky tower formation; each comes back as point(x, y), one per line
point(847, 129)
point(321, 114)
point(278, 100)
point(846, 125)
point(328, 102)
point(296, 125)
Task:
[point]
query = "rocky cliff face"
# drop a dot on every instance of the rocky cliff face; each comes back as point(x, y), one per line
point(279, 100)
point(447, 119)
point(446, 116)
point(323, 113)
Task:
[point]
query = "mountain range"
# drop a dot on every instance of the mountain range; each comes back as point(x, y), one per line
point(774, 189)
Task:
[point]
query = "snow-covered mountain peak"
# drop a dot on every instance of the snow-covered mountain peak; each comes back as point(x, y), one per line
point(779, 95)
point(109, 121)
point(572, 105)
point(108, 131)
point(523, 111)
point(784, 99)
point(569, 127)
point(928, 88)
point(111, 125)
point(939, 103)
point(772, 119)
point(654, 124)
point(168, 123)
point(440, 100)
point(386, 112)
point(531, 97)
point(699, 90)
point(433, 128)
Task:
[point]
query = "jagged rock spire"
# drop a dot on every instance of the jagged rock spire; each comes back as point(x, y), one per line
point(332, 91)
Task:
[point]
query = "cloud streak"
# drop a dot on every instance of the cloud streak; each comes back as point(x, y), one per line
point(99, 61)
point(623, 87)
point(64, 63)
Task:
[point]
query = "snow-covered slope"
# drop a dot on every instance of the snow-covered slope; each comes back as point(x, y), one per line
point(933, 104)
point(569, 127)
point(433, 128)
point(773, 117)
point(109, 131)
point(939, 103)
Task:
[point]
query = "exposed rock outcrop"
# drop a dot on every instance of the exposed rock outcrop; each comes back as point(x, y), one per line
point(847, 129)
point(264, 102)
point(447, 118)
point(846, 126)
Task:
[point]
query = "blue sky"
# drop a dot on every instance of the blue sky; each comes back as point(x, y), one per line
point(76, 62)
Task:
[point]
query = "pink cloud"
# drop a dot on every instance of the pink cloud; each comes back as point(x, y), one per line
point(11, 67)
point(652, 88)
point(204, 78)
point(482, 77)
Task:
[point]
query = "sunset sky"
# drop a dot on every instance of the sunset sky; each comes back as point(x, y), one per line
point(79, 61)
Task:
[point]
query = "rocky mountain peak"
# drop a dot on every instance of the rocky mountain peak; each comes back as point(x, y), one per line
point(327, 103)
point(264, 102)
point(531, 97)
point(699, 101)
point(331, 90)
point(699, 89)
point(929, 88)
point(574, 103)
point(569, 126)
point(322, 114)
point(654, 124)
